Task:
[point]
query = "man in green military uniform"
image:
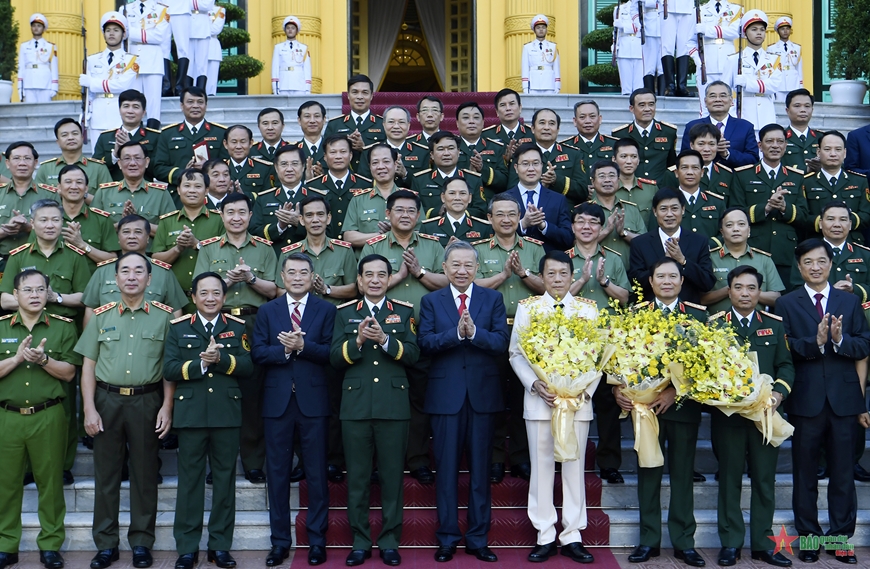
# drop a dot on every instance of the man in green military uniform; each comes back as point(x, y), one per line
point(87, 228)
point(678, 427)
point(623, 221)
point(375, 344)
point(457, 222)
point(249, 266)
point(429, 184)
point(133, 231)
point(207, 354)
point(253, 174)
point(737, 439)
point(132, 105)
point(802, 144)
point(68, 133)
point(413, 156)
point(276, 211)
point(509, 264)
point(122, 381)
point(704, 137)
point(771, 193)
point(734, 252)
point(703, 208)
point(181, 231)
point(834, 183)
point(270, 123)
point(656, 140)
point(639, 191)
point(133, 194)
point(338, 181)
point(478, 154)
point(416, 259)
point(188, 143)
point(311, 116)
point(38, 358)
point(362, 127)
point(592, 144)
point(17, 196)
point(509, 131)
point(430, 113)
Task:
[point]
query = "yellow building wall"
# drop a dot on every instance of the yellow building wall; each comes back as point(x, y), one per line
point(801, 13)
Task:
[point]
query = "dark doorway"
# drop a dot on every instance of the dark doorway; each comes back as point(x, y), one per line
point(410, 67)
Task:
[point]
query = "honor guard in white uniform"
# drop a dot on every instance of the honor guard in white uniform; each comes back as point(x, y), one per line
point(291, 62)
point(677, 28)
point(720, 26)
point(37, 65)
point(652, 48)
point(148, 22)
point(166, 48)
point(109, 73)
point(218, 17)
point(179, 19)
point(789, 54)
point(540, 70)
point(761, 75)
point(200, 37)
point(629, 51)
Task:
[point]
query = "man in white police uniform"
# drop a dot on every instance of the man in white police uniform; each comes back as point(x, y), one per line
point(148, 21)
point(291, 62)
point(200, 37)
point(179, 20)
point(218, 18)
point(37, 65)
point(629, 51)
point(540, 62)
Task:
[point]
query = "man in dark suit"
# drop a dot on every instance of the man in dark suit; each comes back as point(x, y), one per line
point(738, 146)
point(689, 249)
point(858, 151)
point(292, 337)
point(828, 334)
point(464, 328)
point(544, 214)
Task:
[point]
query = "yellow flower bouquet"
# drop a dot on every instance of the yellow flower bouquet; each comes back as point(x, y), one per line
point(567, 354)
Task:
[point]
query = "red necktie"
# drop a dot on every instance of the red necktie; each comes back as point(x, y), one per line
point(819, 296)
point(462, 307)
point(296, 317)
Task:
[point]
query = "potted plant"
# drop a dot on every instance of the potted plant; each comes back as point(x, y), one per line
point(847, 56)
point(8, 50)
point(239, 66)
point(603, 74)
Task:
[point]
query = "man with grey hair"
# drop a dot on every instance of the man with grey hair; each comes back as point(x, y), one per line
point(413, 156)
point(464, 329)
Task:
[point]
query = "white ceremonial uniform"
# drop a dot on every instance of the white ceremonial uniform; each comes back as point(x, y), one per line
point(200, 37)
point(537, 415)
point(37, 71)
point(789, 54)
point(218, 17)
point(721, 20)
point(762, 80)
point(148, 28)
point(677, 27)
point(291, 68)
point(179, 19)
point(652, 29)
point(107, 80)
point(629, 51)
point(540, 67)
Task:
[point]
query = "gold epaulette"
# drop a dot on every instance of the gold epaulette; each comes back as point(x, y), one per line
point(106, 262)
point(530, 240)
point(724, 167)
point(105, 307)
point(360, 191)
point(715, 195)
point(628, 202)
point(112, 130)
point(528, 299)
point(154, 130)
point(865, 247)
point(481, 220)
point(670, 169)
point(427, 236)
point(261, 161)
point(209, 241)
point(102, 212)
point(611, 250)
point(421, 172)
point(76, 249)
point(372, 144)
point(318, 191)
point(234, 318)
point(363, 178)
point(760, 251)
point(292, 246)
point(626, 125)
point(719, 314)
point(157, 185)
point(348, 303)
point(420, 145)
point(48, 188)
point(63, 318)
point(714, 249)
point(314, 179)
point(472, 172)
point(696, 306)
point(481, 241)
point(162, 264)
point(264, 192)
point(774, 316)
point(218, 125)
point(47, 161)
point(809, 175)
point(643, 304)
point(668, 124)
point(793, 169)
point(184, 318)
point(6, 317)
point(165, 215)
point(109, 185)
point(162, 306)
point(339, 117)
point(857, 173)
point(648, 181)
point(402, 302)
point(167, 127)
point(19, 249)
point(261, 240)
point(97, 160)
point(341, 243)
point(742, 168)
point(376, 238)
point(431, 219)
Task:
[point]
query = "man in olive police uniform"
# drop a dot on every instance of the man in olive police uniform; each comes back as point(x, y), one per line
point(68, 133)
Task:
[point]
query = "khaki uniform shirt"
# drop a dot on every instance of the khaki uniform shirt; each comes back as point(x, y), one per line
point(613, 268)
point(97, 172)
point(492, 258)
point(219, 255)
point(336, 263)
point(10, 201)
point(151, 200)
point(164, 287)
point(724, 262)
point(205, 225)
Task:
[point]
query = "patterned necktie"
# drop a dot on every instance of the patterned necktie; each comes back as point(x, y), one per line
point(755, 58)
point(819, 296)
point(111, 57)
point(296, 317)
point(208, 329)
point(462, 306)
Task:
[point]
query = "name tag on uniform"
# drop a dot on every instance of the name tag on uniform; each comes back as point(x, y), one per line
point(214, 261)
point(29, 268)
point(10, 340)
point(109, 329)
point(755, 181)
point(226, 335)
point(354, 320)
point(393, 319)
point(2, 207)
point(273, 204)
point(188, 335)
point(367, 211)
point(177, 232)
point(439, 234)
point(715, 269)
point(490, 261)
point(174, 138)
point(661, 139)
point(765, 332)
point(815, 189)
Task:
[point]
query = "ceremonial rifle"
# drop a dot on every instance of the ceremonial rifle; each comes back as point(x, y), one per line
point(740, 72)
point(701, 44)
point(640, 21)
point(84, 71)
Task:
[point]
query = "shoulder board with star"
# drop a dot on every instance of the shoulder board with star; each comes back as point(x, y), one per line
point(106, 262)
point(74, 248)
point(724, 167)
point(167, 127)
point(342, 117)
point(209, 241)
point(48, 188)
point(157, 185)
point(479, 220)
point(696, 306)
point(261, 240)
point(341, 243)
point(500, 143)
point(472, 172)
point(866, 248)
point(491, 127)
point(402, 302)
point(346, 304)
point(315, 179)
point(760, 251)
point(62, 318)
point(481, 242)
point(261, 161)
point(796, 170)
point(769, 315)
point(421, 172)
point(185, 318)
point(234, 318)
point(8, 316)
point(715, 195)
point(742, 168)
point(154, 130)
point(531, 240)
point(109, 185)
point(859, 174)
point(640, 305)
point(427, 236)
point(170, 214)
point(376, 239)
point(161, 264)
point(611, 250)
point(318, 191)
point(529, 299)
point(372, 144)
point(718, 315)
point(291, 247)
point(19, 249)
point(809, 174)
point(626, 125)
point(667, 124)
point(628, 202)
point(648, 181)
point(105, 307)
point(431, 219)
point(102, 212)
point(360, 191)
point(97, 160)
point(161, 306)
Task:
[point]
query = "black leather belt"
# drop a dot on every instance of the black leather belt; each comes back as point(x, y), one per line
point(150, 388)
point(240, 311)
point(31, 410)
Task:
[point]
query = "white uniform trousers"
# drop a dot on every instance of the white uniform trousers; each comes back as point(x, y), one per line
point(287, 92)
point(181, 34)
point(652, 55)
point(198, 58)
point(676, 31)
point(631, 72)
point(542, 511)
point(37, 95)
point(213, 68)
point(151, 85)
point(759, 110)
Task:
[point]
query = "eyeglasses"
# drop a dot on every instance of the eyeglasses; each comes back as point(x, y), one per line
point(405, 210)
point(129, 159)
point(535, 164)
point(29, 291)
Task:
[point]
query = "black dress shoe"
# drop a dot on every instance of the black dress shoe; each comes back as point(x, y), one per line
point(277, 555)
point(523, 471)
point(496, 472)
point(169, 442)
point(611, 476)
point(7, 559)
point(51, 559)
point(848, 559)
point(357, 557)
point(334, 474)
point(391, 557)
point(728, 556)
point(698, 477)
point(68, 478)
point(28, 478)
point(255, 476)
point(690, 557)
point(222, 559)
point(208, 478)
point(296, 475)
point(822, 473)
point(482, 554)
point(187, 561)
point(445, 553)
point(861, 474)
point(808, 556)
point(642, 554)
point(105, 558)
point(142, 556)
point(316, 555)
point(88, 442)
point(577, 552)
point(423, 475)
point(771, 558)
point(543, 552)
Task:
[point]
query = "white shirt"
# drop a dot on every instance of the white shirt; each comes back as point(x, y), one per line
point(841, 246)
point(355, 116)
point(316, 144)
point(709, 170)
point(589, 141)
point(799, 133)
point(291, 304)
point(672, 306)
point(214, 202)
point(447, 176)
point(202, 365)
point(648, 128)
point(664, 237)
point(343, 179)
point(235, 164)
point(380, 306)
point(470, 143)
point(723, 121)
point(457, 301)
point(291, 192)
point(197, 126)
point(691, 197)
point(545, 150)
point(738, 316)
point(828, 176)
point(826, 292)
point(453, 221)
point(768, 169)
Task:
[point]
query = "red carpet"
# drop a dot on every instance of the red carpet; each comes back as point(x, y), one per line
point(423, 559)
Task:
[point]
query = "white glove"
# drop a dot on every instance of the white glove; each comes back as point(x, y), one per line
point(53, 93)
point(701, 28)
point(739, 81)
point(84, 80)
